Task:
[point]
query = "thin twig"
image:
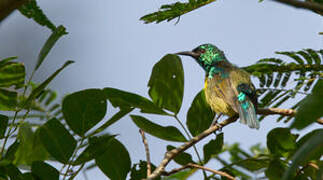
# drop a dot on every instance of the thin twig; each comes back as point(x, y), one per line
point(174, 152)
point(144, 140)
point(302, 4)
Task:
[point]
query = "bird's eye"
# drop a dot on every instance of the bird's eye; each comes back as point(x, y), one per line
point(202, 50)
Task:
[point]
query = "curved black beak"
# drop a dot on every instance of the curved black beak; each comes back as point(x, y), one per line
point(189, 53)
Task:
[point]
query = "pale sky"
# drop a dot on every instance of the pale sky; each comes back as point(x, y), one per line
point(112, 48)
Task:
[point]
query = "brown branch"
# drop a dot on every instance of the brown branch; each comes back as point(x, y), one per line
point(174, 152)
point(191, 165)
point(302, 4)
point(144, 140)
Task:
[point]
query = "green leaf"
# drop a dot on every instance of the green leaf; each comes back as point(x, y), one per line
point(31, 10)
point(171, 11)
point(97, 146)
point(200, 115)
point(115, 161)
point(25, 136)
point(8, 100)
point(13, 172)
point(169, 133)
point(3, 125)
point(44, 171)
point(57, 140)
point(11, 151)
point(84, 109)
point(281, 142)
point(317, 154)
point(254, 164)
point(12, 73)
point(49, 44)
point(313, 145)
point(123, 99)
point(182, 158)
point(275, 170)
point(36, 92)
point(181, 175)
point(310, 108)
point(139, 170)
point(213, 147)
point(166, 84)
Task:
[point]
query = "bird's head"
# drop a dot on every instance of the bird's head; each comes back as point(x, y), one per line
point(206, 55)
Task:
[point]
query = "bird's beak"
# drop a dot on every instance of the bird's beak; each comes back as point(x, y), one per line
point(188, 53)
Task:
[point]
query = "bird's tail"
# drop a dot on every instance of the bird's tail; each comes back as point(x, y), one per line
point(247, 111)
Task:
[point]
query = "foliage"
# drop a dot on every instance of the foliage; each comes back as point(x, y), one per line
point(43, 130)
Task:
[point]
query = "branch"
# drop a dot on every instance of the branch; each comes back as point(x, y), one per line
point(302, 4)
point(191, 165)
point(174, 152)
point(144, 140)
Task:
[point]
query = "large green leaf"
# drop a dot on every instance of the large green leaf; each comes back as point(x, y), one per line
point(123, 99)
point(311, 107)
point(25, 136)
point(31, 10)
point(169, 133)
point(8, 100)
point(44, 171)
point(281, 142)
point(275, 170)
point(314, 145)
point(139, 170)
point(214, 147)
point(200, 115)
point(12, 73)
point(166, 84)
point(97, 146)
point(13, 172)
point(84, 109)
point(57, 140)
point(254, 164)
point(115, 161)
point(182, 158)
point(3, 125)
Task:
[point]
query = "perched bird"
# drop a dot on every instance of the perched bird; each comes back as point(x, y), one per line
point(228, 89)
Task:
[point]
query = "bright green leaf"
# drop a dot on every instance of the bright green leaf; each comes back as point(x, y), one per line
point(84, 109)
point(313, 145)
point(3, 125)
point(169, 133)
point(123, 99)
point(214, 147)
point(97, 146)
point(44, 171)
point(12, 73)
point(57, 140)
point(8, 100)
point(200, 115)
point(181, 175)
point(166, 84)
point(30, 9)
point(311, 108)
point(182, 158)
point(280, 141)
point(115, 161)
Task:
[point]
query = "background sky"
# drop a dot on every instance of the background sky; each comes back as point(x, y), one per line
point(112, 48)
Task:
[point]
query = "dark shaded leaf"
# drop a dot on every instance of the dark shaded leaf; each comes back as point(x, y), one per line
point(182, 158)
point(310, 108)
point(128, 100)
point(139, 170)
point(169, 133)
point(254, 164)
point(57, 140)
point(44, 171)
point(315, 154)
point(275, 170)
point(200, 115)
point(281, 142)
point(166, 84)
point(11, 151)
point(3, 125)
point(97, 146)
point(13, 172)
point(313, 145)
point(8, 100)
point(115, 161)
point(31, 10)
point(84, 109)
point(213, 147)
point(12, 73)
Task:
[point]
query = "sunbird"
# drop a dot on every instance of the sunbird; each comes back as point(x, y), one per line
point(228, 89)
